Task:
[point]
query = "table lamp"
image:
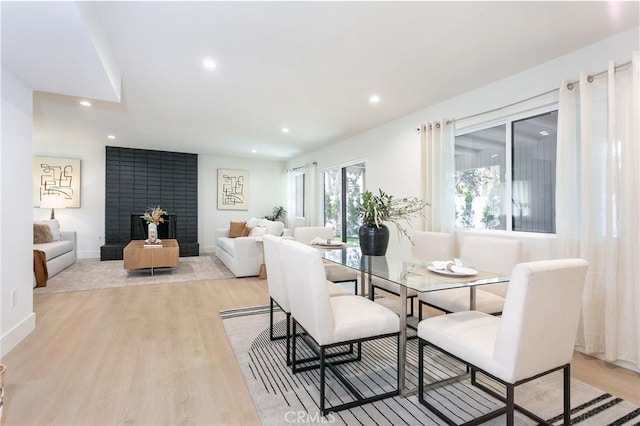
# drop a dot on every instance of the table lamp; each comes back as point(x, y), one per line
point(52, 202)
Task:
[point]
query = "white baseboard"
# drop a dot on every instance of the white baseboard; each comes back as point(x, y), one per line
point(207, 250)
point(88, 254)
point(14, 336)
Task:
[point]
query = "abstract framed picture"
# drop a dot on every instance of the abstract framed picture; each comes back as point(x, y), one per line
point(56, 176)
point(233, 189)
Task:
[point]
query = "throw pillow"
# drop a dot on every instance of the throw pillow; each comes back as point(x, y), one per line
point(275, 228)
point(41, 234)
point(258, 231)
point(236, 229)
point(54, 227)
point(246, 231)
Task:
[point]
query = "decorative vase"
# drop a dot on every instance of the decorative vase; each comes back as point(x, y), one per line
point(373, 240)
point(153, 232)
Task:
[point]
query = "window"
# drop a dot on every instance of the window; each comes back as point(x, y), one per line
point(512, 161)
point(343, 188)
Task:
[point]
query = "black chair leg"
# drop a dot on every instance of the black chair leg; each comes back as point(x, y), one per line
point(271, 318)
point(288, 339)
point(567, 394)
point(510, 404)
point(420, 370)
point(322, 380)
point(293, 346)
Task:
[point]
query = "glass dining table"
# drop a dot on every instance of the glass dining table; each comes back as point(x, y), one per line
point(407, 274)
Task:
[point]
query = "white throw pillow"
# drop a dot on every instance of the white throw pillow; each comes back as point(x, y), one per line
point(258, 231)
point(54, 225)
point(275, 228)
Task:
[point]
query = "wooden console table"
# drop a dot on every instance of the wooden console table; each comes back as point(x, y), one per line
point(137, 256)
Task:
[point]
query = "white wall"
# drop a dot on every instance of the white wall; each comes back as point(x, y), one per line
point(16, 228)
point(393, 151)
point(266, 179)
point(267, 188)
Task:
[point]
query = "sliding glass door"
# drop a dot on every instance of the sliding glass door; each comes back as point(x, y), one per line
point(343, 187)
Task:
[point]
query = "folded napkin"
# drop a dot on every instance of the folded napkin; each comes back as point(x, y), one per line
point(451, 266)
point(442, 265)
point(319, 240)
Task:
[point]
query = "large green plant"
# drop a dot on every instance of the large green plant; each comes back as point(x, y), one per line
point(376, 209)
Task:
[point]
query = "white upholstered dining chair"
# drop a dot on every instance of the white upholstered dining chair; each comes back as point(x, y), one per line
point(277, 286)
point(534, 337)
point(427, 246)
point(328, 322)
point(489, 254)
point(335, 273)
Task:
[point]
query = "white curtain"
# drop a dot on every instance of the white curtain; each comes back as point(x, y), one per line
point(597, 205)
point(439, 166)
point(291, 199)
point(310, 194)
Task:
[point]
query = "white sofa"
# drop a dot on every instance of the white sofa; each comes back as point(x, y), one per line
point(60, 253)
point(244, 255)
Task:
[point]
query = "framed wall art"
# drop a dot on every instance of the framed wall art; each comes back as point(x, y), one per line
point(233, 189)
point(56, 176)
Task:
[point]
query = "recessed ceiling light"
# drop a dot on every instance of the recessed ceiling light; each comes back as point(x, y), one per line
point(85, 103)
point(285, 130)
point(254, 150)
point(111, 136)
point(209, 63)
point(374, 99)
point(544, 133)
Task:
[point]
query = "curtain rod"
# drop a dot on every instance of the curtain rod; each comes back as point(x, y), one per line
point(301, 167)
point(570, 86)
point(591, 77)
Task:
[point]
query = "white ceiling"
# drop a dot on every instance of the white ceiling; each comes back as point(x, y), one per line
point(309, 66)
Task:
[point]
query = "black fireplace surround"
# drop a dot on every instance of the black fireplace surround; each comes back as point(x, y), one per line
point(137, 179)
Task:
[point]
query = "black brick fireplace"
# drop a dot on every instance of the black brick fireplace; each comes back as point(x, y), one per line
point(136, 179)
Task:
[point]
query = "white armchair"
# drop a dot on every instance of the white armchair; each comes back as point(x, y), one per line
point(535, 335)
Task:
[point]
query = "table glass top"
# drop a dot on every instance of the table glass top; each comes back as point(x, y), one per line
point(412, 273)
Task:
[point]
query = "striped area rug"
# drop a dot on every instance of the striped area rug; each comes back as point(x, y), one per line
point(282, 397)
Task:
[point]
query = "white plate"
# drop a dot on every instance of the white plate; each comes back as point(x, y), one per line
point(333, 244)
point(461, 271)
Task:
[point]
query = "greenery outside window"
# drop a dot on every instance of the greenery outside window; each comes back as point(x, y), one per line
point(343, 188)
point(514, 160)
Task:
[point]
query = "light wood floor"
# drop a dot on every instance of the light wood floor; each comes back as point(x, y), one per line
point(158, 355)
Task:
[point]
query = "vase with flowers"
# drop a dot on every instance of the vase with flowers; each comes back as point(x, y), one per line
point(374, 210)
point(153, 217)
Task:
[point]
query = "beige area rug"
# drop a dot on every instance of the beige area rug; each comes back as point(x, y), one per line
point(93, 274)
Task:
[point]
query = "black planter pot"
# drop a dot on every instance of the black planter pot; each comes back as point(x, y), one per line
point(374, 240)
